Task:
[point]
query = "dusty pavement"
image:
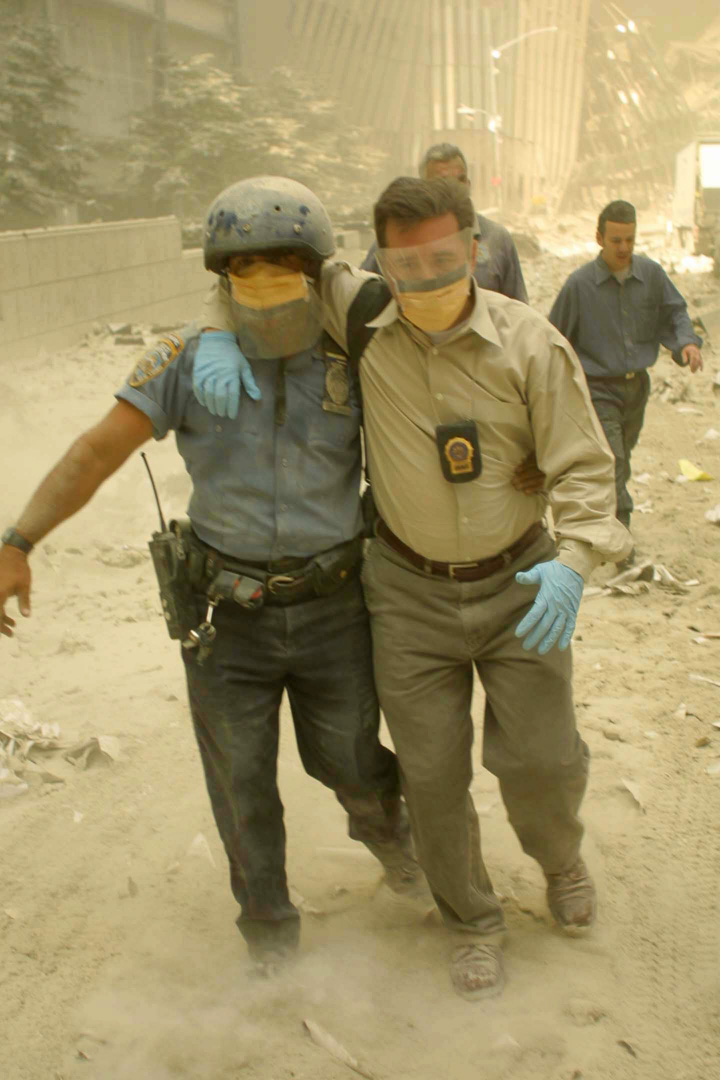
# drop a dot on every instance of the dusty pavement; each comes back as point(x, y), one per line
point(119, 954)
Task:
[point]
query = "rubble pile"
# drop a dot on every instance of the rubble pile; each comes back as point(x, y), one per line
point(696, 64)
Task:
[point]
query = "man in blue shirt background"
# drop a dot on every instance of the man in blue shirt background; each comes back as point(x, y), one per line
point(497, 266)
point(616, 312)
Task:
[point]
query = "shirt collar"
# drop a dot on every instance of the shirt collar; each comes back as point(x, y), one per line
point(603, 271)
point(480, 321)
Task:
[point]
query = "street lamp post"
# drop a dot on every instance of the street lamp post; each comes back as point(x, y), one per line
point(495, 121)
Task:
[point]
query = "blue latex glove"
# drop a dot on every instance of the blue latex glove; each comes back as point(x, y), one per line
point(218, 373)
point(553, 614)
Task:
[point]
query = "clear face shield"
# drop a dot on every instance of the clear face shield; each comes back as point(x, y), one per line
point(275, 310)
point(430, 281)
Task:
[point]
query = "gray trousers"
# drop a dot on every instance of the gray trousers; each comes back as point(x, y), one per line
point(428, 632)
point(620, 406)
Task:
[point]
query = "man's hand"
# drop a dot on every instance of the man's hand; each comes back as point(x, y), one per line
point(219, 372)
point(15, 580)
point(554, 612)
point(527, 477)
point(692, 358)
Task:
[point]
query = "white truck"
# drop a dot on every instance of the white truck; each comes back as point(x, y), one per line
point(696, 201)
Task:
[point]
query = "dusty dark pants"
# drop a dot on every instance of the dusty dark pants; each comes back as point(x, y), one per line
point(620, 406)
point(320, 652)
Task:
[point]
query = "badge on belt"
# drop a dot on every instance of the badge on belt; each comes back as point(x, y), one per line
point(459, 450)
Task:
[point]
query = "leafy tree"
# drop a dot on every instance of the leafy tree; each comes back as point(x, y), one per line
point(207, 129)
point(43, 158)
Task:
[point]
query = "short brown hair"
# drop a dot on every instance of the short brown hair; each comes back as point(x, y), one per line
point(409, 201)
point(619, 211)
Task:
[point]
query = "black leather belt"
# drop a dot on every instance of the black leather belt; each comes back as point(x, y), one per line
point(464, 571)
point(290, 580)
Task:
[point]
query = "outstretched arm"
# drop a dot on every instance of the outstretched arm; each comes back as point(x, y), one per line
point(91, 459)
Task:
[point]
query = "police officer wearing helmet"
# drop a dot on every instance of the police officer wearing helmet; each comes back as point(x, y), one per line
point(273, 550)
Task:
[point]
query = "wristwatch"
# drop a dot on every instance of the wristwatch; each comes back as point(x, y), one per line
point(12, 537)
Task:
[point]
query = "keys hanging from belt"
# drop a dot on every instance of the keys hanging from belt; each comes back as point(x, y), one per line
point(226, 585)
point(203, 636)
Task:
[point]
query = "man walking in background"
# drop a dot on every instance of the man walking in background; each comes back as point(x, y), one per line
point(616, 312)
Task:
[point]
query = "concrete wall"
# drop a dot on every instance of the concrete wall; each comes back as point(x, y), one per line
point(56, 283)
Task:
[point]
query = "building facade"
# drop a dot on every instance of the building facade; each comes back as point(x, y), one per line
point(501, 79)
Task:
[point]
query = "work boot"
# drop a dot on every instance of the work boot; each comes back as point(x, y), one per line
point(477, 970)
point(571, 897)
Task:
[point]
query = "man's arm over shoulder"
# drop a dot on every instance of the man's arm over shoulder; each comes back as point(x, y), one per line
point(573, 452)
point(216, 309)
point(339, 284)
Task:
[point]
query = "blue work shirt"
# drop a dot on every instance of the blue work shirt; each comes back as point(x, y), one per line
point(261, 490)
point(616, 329)
point(497, 267)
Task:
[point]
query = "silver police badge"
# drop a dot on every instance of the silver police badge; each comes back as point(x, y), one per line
point(156, 360)
point(337, 388)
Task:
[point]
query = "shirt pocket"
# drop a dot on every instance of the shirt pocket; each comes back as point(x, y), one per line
point(646, 321)
point(337, 430)
point(504, 431)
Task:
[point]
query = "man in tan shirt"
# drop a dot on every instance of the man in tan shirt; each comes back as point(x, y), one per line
point(459, 385)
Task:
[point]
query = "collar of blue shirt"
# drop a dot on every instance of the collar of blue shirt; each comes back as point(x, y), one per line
point(603, 271)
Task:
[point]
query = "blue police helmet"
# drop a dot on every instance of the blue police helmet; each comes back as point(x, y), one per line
point(266, 213)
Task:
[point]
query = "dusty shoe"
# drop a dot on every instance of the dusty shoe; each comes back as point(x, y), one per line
point(477, 971)
point(571, 898)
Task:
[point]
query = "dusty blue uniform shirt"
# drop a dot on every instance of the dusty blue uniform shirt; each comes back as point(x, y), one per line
point(617, 328)
point(497, 267)
point(261, 490)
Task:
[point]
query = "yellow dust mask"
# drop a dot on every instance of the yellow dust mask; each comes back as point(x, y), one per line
point(266, 285)
point(435, 310)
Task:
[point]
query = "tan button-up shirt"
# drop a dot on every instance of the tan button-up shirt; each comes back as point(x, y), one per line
point(513, 374)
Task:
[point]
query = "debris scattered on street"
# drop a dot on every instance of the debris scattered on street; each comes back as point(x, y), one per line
point(703, 679)
point(634, 790)
point(201, 849)
point(692, 472)
point(96, 748)
point(324, 1039)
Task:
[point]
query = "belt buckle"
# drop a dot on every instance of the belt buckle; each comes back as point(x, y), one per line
point(630, 374)
point(453, 566)
point(282, 581)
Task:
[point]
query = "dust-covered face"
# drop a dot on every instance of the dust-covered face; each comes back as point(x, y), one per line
point(428, 266)
point(274, 307)
point(454, 169)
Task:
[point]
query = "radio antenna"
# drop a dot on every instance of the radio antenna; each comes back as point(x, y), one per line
point(163, 526)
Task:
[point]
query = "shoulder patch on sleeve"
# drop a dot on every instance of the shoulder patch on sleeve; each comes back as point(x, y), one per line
point(156, 360)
